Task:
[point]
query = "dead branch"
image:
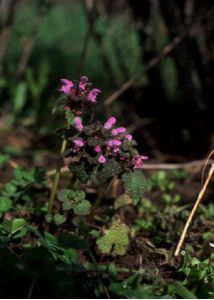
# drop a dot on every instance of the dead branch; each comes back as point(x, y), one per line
point(167, 166)
point(189, 220)
point(150, 65)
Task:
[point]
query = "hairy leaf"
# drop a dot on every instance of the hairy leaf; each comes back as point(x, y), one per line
point(110, 169)
point(82, 208)
point(59, 219)
point(78, 169)
point(122, 200)
point(115, 240)
point(135, 184)
point(91, 141)
point(5, 204)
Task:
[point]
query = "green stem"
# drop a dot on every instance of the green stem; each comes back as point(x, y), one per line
point(91, 267)
point(56, 178)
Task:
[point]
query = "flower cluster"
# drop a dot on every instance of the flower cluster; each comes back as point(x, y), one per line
point(95, 145)
point(79, 90)
point(99, 143)
point(79, 95)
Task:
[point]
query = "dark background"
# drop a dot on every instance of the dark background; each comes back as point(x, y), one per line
point(161, 49)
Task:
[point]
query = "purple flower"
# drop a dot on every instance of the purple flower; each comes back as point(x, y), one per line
point(101, 159)
point(138, 161)
point(118, 130)
point(113, 143)
point(110, 122)
point(83, 83)
point(92, 95)
point(78, 123)
point(129, 137)
point(97, 149)
point(66, 86)
point(78, 142)
point(116, 149)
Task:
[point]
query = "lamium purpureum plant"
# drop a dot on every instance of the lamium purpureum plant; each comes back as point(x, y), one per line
point(97, 152)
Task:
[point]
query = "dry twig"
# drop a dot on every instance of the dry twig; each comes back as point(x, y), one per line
point(200, 195)
point(188, 165)
point(150, 64)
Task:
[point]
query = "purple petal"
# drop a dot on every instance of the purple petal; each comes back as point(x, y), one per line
point(138, 161)
point(92, 95)
point(83, 83)
point(101, 159)
point(129, 137)
point(113, 143)
point(78, 123)
point(97, 149)
point(66, 86)
point(118, 130)
point(110, 122)
point(78, 142)
point(67, 82)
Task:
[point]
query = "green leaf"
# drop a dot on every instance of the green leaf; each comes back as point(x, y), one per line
point(59, 104)
point(67, 205)
point(59, 219)
point(5, 204)
point(48, 218)
point(110, 169)
point(74, 200)
point(13, 226)
point(3, 158)
point(135, 184)
point(91, 141)
point(66, 197)
point(19, 234)
point(115, 240)
point(49, 242)
point(79, 195)
point(10, 189)
point(72, 240)
point(6, 226)
point(10, 150)
point(17, 224)
point(94, 233)
point(122, 200)
point(20, 98)
point(125, 290)
point(112, 270)
point(68, 256)
point(183, 292)
point(82, 208)
point(78, 169)
point(69, 117)
point(4, 240)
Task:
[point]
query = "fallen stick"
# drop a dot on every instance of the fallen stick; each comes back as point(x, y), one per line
point(200, 195)
point(172, 166)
